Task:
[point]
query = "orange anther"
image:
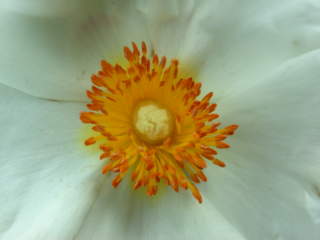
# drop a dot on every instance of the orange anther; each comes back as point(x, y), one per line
point(144, 48)
point(90, 141)
point(218, 162)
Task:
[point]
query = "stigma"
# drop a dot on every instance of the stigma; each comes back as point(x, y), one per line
point(152, 125)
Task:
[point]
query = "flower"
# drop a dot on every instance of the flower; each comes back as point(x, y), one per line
point(265, 76)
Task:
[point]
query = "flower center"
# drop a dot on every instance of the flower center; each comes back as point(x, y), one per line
point(152, 122)
point(135, 133)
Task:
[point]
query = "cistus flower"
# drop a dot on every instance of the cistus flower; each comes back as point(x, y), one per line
point(260, 59)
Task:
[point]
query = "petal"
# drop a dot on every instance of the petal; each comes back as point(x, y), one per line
point(284, 110)
point(183, 30)
point(123, 213)
point(313, 204)
point(250, 39)
point(42, 7)
point(47, 182)
point(262, 202)
point(53, 56)
point(272, 175)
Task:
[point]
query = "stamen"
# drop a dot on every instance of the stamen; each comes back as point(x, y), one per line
point(149, 120)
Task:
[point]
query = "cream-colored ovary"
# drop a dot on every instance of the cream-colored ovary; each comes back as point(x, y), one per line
point(153, 122)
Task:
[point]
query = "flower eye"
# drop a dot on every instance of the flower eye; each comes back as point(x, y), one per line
point(152, 124)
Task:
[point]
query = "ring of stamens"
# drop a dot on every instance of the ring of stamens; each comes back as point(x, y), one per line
point(150, 120)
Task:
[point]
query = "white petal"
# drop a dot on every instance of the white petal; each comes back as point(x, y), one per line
point(183, 29)
point(269, 185)
point(284, 109)
point(47, 182)
point(263, 202)
point(121, 214)
point(313, 204)
point(251, 38)
point(53, 56)
point(41, 7)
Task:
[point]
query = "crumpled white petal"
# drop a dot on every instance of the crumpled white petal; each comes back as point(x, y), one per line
point(39, 8)
point(54, 55)
point(252, 38)
point(270, 187)
point(47, 182)
point(124, 214)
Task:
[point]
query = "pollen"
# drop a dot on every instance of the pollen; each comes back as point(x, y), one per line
point(152, 125)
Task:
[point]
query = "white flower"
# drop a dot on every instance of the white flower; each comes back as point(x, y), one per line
point(260, 58)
